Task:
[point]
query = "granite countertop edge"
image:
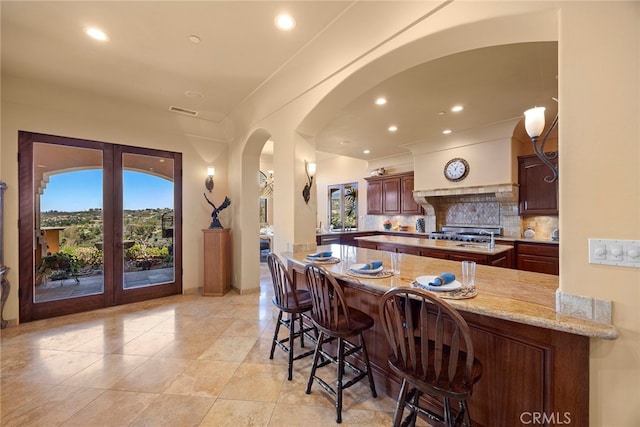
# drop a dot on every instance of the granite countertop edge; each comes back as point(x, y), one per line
point(534, 312)
point(425, 235)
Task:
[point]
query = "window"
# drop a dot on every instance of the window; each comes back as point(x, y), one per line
point(343, 206)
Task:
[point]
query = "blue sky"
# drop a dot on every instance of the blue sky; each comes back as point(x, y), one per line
point(82, 190)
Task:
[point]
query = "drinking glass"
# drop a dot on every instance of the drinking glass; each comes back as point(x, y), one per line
point(469, 274)
point(396, 258)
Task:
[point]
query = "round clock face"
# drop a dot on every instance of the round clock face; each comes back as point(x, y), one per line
point(456, 169)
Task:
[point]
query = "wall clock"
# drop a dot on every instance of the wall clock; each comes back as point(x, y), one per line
point(456, 169)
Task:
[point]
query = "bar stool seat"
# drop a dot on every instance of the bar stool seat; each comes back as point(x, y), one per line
point(297, 304)
point(335, 320)
point(432, 351)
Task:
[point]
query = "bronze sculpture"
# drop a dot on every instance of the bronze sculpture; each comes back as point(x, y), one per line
point(215, 222)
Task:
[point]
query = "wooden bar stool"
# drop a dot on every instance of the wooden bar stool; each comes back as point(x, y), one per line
point(294, 302)
point(336, 320)
point(432, 351)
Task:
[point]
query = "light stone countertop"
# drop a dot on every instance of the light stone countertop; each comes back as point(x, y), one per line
point(422, 242)
point(514, 295)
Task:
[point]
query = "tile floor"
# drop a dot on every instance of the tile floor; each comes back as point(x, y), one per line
point(185, 360)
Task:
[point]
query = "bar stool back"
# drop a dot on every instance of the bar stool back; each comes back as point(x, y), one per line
point(432, 351)
point(294, 302)
point(335, 320)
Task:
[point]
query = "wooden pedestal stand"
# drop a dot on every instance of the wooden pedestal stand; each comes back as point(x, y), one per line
point(217, 262)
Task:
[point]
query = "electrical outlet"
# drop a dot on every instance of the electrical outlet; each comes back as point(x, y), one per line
point(625, 253)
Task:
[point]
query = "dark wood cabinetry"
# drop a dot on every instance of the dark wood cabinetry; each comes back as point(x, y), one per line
point(391, 195)
point(538, 257)
point(537, 197)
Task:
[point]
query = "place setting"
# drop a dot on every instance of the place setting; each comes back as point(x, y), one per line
point(446, 285)
point(325, 257)
point(369, 270)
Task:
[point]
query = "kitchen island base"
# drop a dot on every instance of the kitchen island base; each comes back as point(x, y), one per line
point(529, 372)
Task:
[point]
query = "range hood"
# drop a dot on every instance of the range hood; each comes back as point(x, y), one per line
point(501, 198)
point(504, 193)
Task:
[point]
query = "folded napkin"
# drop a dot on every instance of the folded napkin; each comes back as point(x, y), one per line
point(443, 279)
point(320, 255)
point(371, 265)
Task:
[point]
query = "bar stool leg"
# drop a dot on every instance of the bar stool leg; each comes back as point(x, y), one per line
point(275, 335)
point(402, 399)
point(314, 365)
point(292, 326)
point(365, 354)
point(339, 383)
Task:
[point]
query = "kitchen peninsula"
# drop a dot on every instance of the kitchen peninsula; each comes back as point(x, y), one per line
point(534, 359)
point(499, 255)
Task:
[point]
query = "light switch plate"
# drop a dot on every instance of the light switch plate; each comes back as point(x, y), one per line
point(624, 253)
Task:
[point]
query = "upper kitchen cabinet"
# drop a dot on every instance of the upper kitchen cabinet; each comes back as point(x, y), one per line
point(391, 195)
point(537, 197)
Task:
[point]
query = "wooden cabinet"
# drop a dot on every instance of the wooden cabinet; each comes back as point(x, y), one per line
point(538, 257)
point(537, 197)
point(409, 204)
point(374, 197)
point(392, 195)
point(217, 262)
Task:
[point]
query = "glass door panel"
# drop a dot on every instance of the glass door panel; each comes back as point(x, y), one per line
point(68, 222)
point(147, 221)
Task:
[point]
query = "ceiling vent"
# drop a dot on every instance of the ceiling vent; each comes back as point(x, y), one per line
point(184, 111)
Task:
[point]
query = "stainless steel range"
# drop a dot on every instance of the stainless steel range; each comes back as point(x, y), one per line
point(466, 233)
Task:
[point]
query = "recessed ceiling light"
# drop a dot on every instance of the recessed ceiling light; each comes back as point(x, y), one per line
point(366, 151)
point(442, 113)
point(447, 131)
point(345, 142)
point(285, 22)
point(193, 94)
point(96, 34)
point(194, 39)
point(457, 108)
point(381, 101)
point(392, 128)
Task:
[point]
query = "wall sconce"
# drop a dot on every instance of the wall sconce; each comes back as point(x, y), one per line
point(208, 183)
point(534, 125)
point(310, 170)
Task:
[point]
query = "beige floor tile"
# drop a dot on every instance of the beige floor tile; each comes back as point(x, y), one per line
point(186, 347)
point(15, 394)
point(203, 378)
point(105, 372)
point(52, 408)
point(109, 341)
point(174, 411)
point(59, 369)
point(153, 376)
point(231, 349)
point(112, 408)
point(255, 382)
point(245, 328)
point(18, 360)
point(235, 413)
point(147, 344)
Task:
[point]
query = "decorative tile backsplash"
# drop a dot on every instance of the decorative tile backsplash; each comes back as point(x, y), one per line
point(481, 213)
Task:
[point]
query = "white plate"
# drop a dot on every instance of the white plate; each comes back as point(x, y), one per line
point(425, 280)
point(318, 257)
point(356, 268)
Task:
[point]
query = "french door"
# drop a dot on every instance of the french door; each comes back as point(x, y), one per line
point(100, 224)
